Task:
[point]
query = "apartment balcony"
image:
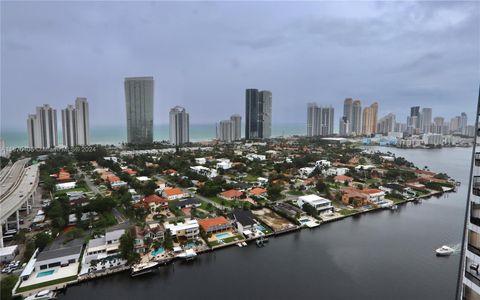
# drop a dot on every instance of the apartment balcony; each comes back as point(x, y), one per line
point(473, 249)
point(475, 221)
point(473, 278)
point(477, 159)
point(476, 186)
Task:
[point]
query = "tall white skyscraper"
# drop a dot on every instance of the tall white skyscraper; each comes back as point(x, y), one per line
point(34, 131)
point(83, 121)
point(225, 131)
point(356, 123)
point(42, 128)
point(139, 95)
point(229, 130)
point(346, 119)
point(236, 127)
point(48, 126)
point(320, 120)
point(426, 120)
point(179, 126)
point(69, 126)
point(386, 124)
point(76, 124)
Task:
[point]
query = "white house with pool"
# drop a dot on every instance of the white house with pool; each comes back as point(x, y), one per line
point(53, 264)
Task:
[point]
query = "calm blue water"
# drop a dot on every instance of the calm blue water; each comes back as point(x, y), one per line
point(117, 134)
point(45, 273)
point(222, 235)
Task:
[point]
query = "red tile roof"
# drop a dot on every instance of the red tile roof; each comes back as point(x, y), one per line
point(232, 193)
point(173, 191)
point(343, 178)
point(155, 199)
point(258, 191)
point(207, 223)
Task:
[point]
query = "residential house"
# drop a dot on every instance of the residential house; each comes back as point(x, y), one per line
point(213, 225)
point(104, 246)
point(258, 192)
point(321, 204)
point(244, 221)
point(187, 230)
point(231, 194)
point(156, 203)
point(188, 203)
point(174, 193)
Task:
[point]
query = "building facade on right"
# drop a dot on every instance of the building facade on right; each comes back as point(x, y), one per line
point(468, 287)
point(139, 108)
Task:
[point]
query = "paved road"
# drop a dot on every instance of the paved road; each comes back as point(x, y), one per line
point(205, 199)
point(118, 215)
point(12, 177)
point(19, 193)
point(89, 182)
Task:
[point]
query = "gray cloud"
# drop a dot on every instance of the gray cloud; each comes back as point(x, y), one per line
point(203, 56)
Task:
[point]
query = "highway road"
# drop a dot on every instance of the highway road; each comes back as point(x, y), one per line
point(22, 189)
point(11, 178)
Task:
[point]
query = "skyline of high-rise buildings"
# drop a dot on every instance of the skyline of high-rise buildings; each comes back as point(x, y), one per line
point(229, 130)
point(42, 128)
point(320, 120)
point(76, 123)
point(179, 126)
point(258, 114)
point(139, 101)
point(369, 119)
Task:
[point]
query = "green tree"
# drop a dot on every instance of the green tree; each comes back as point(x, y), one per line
point(126, 247)
point(42, 239)
point(7, 285)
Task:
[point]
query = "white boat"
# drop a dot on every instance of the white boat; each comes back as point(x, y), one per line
point(444, 251)
point(394, 207)
point(42, 295)
point(145, 268)
point(188, 254)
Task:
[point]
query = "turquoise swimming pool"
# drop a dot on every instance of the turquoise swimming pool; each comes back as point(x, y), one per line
point(159, 251)
point(222, 235)
point(45, 273)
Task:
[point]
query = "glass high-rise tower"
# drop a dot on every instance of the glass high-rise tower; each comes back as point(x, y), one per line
point(258, 114)
point(139, 108)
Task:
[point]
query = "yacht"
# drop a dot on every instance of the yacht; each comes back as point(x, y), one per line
point(42, 295)
point(187, 255)
point(144, 268)
point(444, 251)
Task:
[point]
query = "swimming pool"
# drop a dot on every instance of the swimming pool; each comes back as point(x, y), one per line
point(260, 227)
point(222, 235)
point(159, 251)
point(45, 273)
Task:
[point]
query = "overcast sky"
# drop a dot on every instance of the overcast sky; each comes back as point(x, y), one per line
point(204, 55)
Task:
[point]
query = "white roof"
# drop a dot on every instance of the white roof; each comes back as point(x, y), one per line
point(313, 198)
point(114, 235)
point(30, 265)
point(189, 224)
point(8, 250)
point(143, 178)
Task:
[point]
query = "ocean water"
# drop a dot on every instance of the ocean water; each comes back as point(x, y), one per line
point(118, 134)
